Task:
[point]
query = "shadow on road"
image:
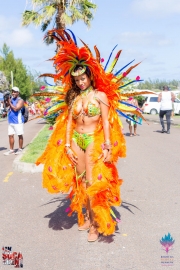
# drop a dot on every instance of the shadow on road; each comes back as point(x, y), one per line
point(158, 131)
point(128, 135)
point(106, 239)
point(128, 205)
point(59, 219)
point(3, 148)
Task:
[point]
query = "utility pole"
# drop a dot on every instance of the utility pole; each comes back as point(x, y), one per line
point(11, 79)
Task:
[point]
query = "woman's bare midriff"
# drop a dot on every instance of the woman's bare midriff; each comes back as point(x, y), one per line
point(87, 124)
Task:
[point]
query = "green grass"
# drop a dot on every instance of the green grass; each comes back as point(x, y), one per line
point(37, 146)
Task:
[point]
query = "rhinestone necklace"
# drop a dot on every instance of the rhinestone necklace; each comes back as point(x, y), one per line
point(84, 93)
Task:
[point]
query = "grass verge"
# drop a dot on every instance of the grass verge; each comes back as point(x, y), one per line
point(37, 146)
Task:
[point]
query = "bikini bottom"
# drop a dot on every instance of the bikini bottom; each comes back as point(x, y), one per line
point(82, 139)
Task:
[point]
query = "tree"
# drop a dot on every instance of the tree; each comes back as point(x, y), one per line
point(22, 77)
point(59, 13)
point(158, 85)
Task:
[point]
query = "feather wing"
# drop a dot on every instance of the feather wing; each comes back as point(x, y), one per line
point(45, 94)
point(85, 45)
point(98, 56)
point(110, 69)
point(109, 57)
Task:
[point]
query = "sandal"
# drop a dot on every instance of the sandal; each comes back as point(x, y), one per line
point(93, 234)
point(86, 224)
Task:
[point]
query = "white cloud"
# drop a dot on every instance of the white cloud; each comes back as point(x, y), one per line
point(143, 39)
point(7, 23)
point(156, 7)
point(20, 37)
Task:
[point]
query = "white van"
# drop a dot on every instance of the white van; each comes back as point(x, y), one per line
point(152, 106)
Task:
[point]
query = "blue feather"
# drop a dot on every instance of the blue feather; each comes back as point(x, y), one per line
point(130, 105)
point(109, 58)
point(130, 83)
point(73, 35)
point(128, 117)
point(66, 73)
point(48, 83)
point(123, 68)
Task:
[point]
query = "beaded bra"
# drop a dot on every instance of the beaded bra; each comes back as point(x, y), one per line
point(90, 111)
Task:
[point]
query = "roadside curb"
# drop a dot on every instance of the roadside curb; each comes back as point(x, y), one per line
point(25, 167)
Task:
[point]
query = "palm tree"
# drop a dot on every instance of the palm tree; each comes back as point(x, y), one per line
point(58, 12)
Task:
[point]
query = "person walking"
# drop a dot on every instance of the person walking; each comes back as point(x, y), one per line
point(131, 123)
point(33, 109)
point(15, 120)
point(166, 98)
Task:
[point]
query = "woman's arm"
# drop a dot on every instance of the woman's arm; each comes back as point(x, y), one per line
point(136, 103)
point(173, 97)
point(104, 106)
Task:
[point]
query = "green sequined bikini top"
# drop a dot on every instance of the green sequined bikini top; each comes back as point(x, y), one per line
point(91, 109)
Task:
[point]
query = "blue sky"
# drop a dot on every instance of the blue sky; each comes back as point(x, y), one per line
point(146, 30)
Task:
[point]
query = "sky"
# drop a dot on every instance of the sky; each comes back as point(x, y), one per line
point(146, 30)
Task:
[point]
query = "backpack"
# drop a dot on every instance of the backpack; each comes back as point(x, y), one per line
point(25, 113)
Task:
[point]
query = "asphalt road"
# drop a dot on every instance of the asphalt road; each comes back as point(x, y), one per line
point(35, 223)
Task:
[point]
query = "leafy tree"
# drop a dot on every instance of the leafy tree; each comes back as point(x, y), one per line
point(58, 12)
point(36, 82)
point(158, 85)
point(22, 77)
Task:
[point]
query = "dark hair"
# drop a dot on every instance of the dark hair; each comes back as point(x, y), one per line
point(165, 87)
point(75, 91)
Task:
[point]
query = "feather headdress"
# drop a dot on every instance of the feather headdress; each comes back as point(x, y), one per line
point(69, 56)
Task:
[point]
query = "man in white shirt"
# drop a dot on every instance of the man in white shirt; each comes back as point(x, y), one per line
point(166, 98)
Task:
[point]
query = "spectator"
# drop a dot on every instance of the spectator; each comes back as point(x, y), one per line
point(1, 107)
point(166, 98)
point(15, 120)
point(132, 124)
point(33, 108)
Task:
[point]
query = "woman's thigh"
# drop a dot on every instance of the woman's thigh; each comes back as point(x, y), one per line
point(89, 163)
point(81, 164)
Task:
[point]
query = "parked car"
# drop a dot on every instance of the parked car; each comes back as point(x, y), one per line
point(152, 106)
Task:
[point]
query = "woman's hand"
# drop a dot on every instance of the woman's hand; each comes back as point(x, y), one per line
point(72, 157)
point(106, 155)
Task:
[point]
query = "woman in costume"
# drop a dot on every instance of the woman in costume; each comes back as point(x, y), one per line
point(86, 107)
point(87, 140)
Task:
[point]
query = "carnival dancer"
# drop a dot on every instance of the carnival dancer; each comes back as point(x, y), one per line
point(87, 140)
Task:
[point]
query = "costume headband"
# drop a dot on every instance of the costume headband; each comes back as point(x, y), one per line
point(78, 72)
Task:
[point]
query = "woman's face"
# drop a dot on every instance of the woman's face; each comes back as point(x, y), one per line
point(82, 81)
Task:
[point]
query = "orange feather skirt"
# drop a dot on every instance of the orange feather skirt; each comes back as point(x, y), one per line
point(59, 174)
